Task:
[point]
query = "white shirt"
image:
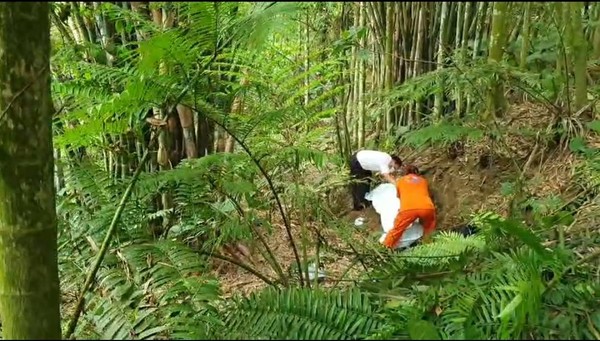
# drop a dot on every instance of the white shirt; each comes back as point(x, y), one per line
point(374, 161)
point(386, 203)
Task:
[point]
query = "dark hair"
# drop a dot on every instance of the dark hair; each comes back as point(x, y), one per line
point(411, 169)
point(397, 160)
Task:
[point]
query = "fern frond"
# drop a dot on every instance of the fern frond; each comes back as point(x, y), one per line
point(303, 314)
point(113, 321)
point(441, 134)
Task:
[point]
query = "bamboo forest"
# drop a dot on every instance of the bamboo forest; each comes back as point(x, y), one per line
point(300, 170)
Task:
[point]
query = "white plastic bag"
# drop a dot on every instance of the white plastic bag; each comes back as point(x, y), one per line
point(312, 272)
point(386, 204)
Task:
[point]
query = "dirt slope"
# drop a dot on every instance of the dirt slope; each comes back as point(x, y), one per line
point(467, 179)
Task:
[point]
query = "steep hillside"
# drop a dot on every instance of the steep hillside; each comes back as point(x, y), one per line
point(469, 178)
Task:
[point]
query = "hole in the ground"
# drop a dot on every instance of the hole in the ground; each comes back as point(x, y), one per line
point(466, 229)
point(547, 275)
point(456, 149)
point(486, 160)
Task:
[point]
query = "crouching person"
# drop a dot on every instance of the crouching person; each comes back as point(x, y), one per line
point(413, 191)
point(362, 166)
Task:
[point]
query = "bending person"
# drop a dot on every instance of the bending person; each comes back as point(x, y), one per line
point(362, 166)
point(416, 203)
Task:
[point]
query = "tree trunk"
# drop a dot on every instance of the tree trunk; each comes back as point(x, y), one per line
point(105, 34)
point(205, 134)
point(389, 72)
point(62, 29)
point(459, 24)
point(496, 102)
point(162, 18)
point(306, 58)
point(141, 8)
point(439, 96)
point(78, 22)
point(525, 41)
point(596, 37)
point(186, 117)
point(462, 44)
point(30, 298)
point(361, 83)
point(417, 55)
point(481, 14)
point(59, 171)
point(88, 22)
point(578, 50)
point(561, 28)
point(486, 28)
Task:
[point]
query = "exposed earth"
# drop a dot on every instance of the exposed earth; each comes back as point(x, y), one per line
point(467, 179)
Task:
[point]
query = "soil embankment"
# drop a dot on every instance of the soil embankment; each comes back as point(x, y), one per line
point(468, 178)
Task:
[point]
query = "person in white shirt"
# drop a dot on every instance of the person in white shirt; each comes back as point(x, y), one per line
point(362, 166)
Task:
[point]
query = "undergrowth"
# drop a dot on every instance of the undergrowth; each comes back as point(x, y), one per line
point(511, 280)
point(501, 283)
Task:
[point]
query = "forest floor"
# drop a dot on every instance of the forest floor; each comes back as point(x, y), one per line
point(467, 178)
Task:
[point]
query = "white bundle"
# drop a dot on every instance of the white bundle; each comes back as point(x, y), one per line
point(312, 272)
point(386, 203)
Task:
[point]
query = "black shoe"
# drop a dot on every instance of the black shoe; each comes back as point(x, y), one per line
point(359, 207)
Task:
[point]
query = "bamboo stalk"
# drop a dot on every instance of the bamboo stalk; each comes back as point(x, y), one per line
point(439, 96)
point(307, 59)
point(596, 36)
point(361, 84)
point(104, 248)
point(579, 53)
point(353, 100)
point(459, 25)
point(388, 65)
point(418, 55)
point(525, 36)
point(479, 18)
point(487, 26)
point(463, 55)
point(496, 101)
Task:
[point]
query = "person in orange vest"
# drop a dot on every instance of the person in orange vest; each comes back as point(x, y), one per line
point(415, 203)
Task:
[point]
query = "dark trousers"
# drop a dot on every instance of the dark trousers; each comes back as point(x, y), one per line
point(360, 185)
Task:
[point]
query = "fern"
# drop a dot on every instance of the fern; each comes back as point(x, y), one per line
point(303, 314)
point(111, 322)
point(442, 134)
point(154, 285)
point(153, 290)
point(446, 251)
point(447, 246)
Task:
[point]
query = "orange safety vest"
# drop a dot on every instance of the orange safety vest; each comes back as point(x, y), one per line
point(413, 191)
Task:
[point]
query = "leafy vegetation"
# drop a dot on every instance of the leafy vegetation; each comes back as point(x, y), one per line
point(201, 145)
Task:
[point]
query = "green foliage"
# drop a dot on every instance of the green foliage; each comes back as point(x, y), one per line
point(156, 282)
point(422, 330)
point(499, 297)
point(474, 287)
point(155, 276)
point(303, 314)
point(148, 290)
point(441, 134)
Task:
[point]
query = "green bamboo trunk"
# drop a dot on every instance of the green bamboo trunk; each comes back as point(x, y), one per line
point(361, 84)
point(526, 33)
point(596, 36)
point(439, 95)
point(578, 52)
point(496, 101)
point(29, 286)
